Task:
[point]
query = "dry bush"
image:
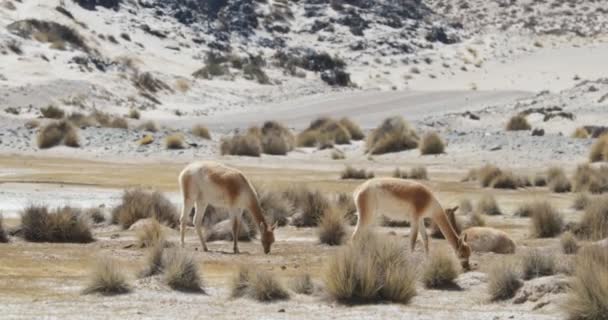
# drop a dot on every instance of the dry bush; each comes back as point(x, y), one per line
point(174, 141)
point(107, 120)
point(303, 284)
point(419, 173)
point(134, 114)
point(258, 285)
point(569, 243)
point(352, 173)
point(241, 145)
point(337, 155)
point(503, 281)
point(524, 210)
point(345, 203)
point(309, 205)
point(506, 180)
point(56, 133)
point(276, 138)
point(324, 132)
point(355, 131)
point(554, 172)
point(588, 295)
point(590, 179)
point(536, 263)
point(486, 175)
point(599, 150)
point(150, 126)
point(488, 205)
point(370, 269)
point(594, 224)
point(518, 123)
point(277, 209)
point(440, 270)
point(96, 215)
point(201, 132)
point(61, 225)
point(154, 260)
point(138, 204)
point(432, 143)
point(581, 201)
point(106, 278)
point(3, 236)
point(546, 221)
point(580, 133)
point(560, 185)
point(332, 229)
point(393, 135)
point(180, 272)
point(146, 140)
point(52, 112)
point(150, 234)
point(540, 180)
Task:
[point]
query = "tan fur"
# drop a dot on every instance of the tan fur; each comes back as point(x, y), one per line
point(211, 183)
point(485, 239)
point(398, 199)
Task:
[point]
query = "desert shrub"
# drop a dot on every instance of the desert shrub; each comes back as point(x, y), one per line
point(487, 174)
point(345, 203)
point(146, 140)
point(355, 131)
point(56, 133)
point(431, 143)
point(536, 263)
point(138, 204)
point(146, 82)
point(258, 285)
point(95, 214)
point(50, 32)
point(61, 225)
point(505, 180)
point(322, 131)
point(174, 141)
point(581, 201)
point(302, 284)
point(525, 210)
point(150, 234)
point(393, 135)
point(399, 174)
point(337, 155)
point(277, 209)
point(554, 173)
point(599, 150)
point(253, 71)
point(594, 224)
point(241, 145)
point(3, 236)
point(276, 138)
point(332, 228)
point(181, 272)
point(352, 173)
point(488, 205)
point(580, 133)
point(134, 114)
point(214, 67)
point(370, 269)
point(52, 112)
point(106, 278)
point(540, 180)
point(149, 126)
point(588, 294)
point(546, 221)
point(309, 205)
point(560, 184)
point(590, 179)
point(518, 123)
point(569, 243)
point(503, 281)
point(154, 260)
point(418, 173)
point(440, 270)
point(201, 132)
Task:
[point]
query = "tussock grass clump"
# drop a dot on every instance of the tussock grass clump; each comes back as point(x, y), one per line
point(277, 208)
point(588, 295)
point(323, 132)
point(174, 141)
point(594, 225)
point(518, 123)
point(352, 173)
point(309, 205)
point(241, 145)
point(488, 205)
point(150, 234)
point(303, 284)
point(332, 228)
point(154, 260)
point(96, 215)
point(440, 270)
point(540, 180)
point(56, 133)
point(393, 135)
point(337, 155)
point(258, 285)
point(3, 236)
point(599, 150)
point(150, 126)
point(201, 131)
point(355, 131)
point(569, 243)
point(60, 225)
point(546, 221)
point(581, 201)
point(506, 180)
point(503, 281)
point(138, 204)
point(52, 112)
point(580, 133)
point(432, 143)
point(134, 114)
point(276, 138)
point(536, 263)
point(370, 270)
point(106, 278)
point(181, 272)
point(590, 179)
point(419, 173)
point(557, 180)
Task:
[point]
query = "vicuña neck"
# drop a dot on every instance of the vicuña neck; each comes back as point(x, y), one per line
point(256, 213)
point(440, 218)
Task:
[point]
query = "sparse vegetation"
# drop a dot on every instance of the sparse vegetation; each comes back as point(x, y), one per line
point(432, 143)
point(258, 285)
point(150, 126)
point(276, 138)
point(146, 140)
point(332, 228)
point(181, 272)
point(540, 180)
point(154, 260)
point(589, 179)
point(518, 123)
point(440, 270)
point(54, 33)
point(336, 154)
point(150, 234)
point(201, 131)
point(569, 243)
point(64, 224)
point(503, 281)
point(138, 204)
point(370, 269)
point(323, 133)
point(488, 205)
point(352, 173)
point(536, 263)
point(588, 294)
point(308, 204)
point(546, 221)
point(594, 224)
point(107, 279)
point(355, 131)
point(557, 180)
point(303, 284)
point(52, 112)
point(581, 201)
point(393, 135)
point(175, 141)
point(56, 133)
point(242, 145)
point(599, 150)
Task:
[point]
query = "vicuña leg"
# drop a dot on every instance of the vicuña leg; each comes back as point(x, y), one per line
point(201, 207)
point(425, 237)
point(413, 234)
point(236, 225)
point(183, 220)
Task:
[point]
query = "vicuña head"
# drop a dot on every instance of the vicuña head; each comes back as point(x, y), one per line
point(463, 251)
point(267, 236)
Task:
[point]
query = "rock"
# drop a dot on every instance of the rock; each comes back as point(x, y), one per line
point(542, 290)
point(496, 148)
point(538, 132)
point(439, 34)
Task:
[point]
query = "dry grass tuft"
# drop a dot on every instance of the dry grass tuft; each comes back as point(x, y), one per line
point(150, 126)
point(337, 155)
point(540, 180)
point(581, 201)
point(201, 132)
point(241, 145)
point(432, 144)
point(594, 224)
point(150, 234)
point(324, 132)
point(181, 272)
point(465, 206)
point(352, 173)
point(276, 138)
point(588, 295)
point(303, 284)
point(557, 180)
point(569, 243)
point(154, 260)
point(590, 179)
point(503, 281)
point(368, 270)
point(518, 123)
point(355, 131)
point(393, 135)
point(175, 141)
point(599, 150)
point(258, 285)
point(440, 270)
point(61, 225)
point(546, 221)
point(506, 180)
point(536, 263)
point(134, 114)
point(138, 204)
point(56, 133)
point(3, 236)
point(309, 205)
point(488, 205)
point(580, 133)
point(146, 140)
point(332, 228)
point(419, 173)
point(52, 112)
point(107, 279)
